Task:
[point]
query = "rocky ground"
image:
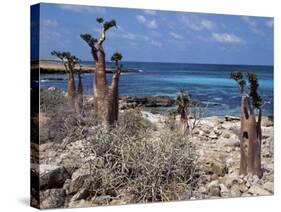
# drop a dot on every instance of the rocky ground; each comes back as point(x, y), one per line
point(214, 140)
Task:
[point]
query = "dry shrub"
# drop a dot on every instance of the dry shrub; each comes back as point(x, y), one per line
point(128, 157)
point(159, 169)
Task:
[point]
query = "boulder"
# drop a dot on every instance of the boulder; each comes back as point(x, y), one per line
point(230, 142)
point(82, 182)
point(76, 184)
point(52, 198)
point(146, 101)
point(214, 188)
point(81, 194)
point(269, 186)
point(258, 190)
point(53, 177)
point(213, 135)
point(224, 191)
point(235, 191)
point(214, 166)
point(81, 203)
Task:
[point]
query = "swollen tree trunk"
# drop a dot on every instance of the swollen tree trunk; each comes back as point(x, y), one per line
point(250, 139)
point(244, 137)
point(100, 88)
point(79, 102)
point(71, 90)
point(184, 126)
point(104, 102)
point(115, 95)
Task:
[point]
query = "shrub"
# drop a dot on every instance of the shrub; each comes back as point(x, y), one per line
point(150, 168)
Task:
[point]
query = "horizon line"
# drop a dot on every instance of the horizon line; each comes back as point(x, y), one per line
point(193, 63)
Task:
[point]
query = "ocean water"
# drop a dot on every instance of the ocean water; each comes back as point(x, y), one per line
point(207, 83)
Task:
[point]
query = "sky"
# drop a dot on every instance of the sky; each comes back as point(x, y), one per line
point(159, 36)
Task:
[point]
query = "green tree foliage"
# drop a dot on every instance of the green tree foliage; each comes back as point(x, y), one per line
point(253, 86)
point(182, 100)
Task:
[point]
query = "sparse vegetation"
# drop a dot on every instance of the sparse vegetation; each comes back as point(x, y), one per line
point(126, 157)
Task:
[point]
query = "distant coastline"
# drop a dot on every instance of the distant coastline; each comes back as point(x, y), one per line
point(49, 66)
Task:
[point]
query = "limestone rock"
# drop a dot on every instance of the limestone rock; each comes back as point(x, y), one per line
point(224, 191)
point(257, 190)
point(214, 188)
point(53, 178)
point(52, 198)
point(269, 186)
point(235, 191)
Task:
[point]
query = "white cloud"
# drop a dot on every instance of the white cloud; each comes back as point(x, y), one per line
point(150, 12)
point(141, 19)
point(254, 25)
point(249, 21)
point(269, 23)
point(176, 36)
point(118, 33)
point(50, 30)
point(49, 23)
point(227, 38)
point(152, 24)
point(82, 9)
point(129, 35)
point(156, 43)
point(196, 23)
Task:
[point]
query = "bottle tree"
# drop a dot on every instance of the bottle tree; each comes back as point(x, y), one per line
point(105, 94)
point(69, 61)
point(182, 102)
point(79, 90)
point(250, 129)
point(116, 57)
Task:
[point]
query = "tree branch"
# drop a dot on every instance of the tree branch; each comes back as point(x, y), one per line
point(101, 40)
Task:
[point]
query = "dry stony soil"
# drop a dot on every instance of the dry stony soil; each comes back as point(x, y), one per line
point(216, 145)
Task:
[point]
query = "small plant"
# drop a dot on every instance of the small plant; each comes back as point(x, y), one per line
point(170, 121)
point(250, 131)
point(182, 102)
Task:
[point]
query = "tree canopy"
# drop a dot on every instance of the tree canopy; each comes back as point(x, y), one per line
point(253, 86)
point(182, 100)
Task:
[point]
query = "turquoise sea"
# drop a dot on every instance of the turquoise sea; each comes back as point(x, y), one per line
point(207, 83)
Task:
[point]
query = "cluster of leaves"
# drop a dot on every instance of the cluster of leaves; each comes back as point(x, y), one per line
point(253, 86)
point(66, 57)
point(89, 39)
point(116, 57)
point(182, 100)
point(92, 41)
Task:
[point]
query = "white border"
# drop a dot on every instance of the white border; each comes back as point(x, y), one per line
point(14, 90)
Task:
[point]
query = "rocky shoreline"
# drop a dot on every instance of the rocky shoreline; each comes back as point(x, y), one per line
point(64, 171)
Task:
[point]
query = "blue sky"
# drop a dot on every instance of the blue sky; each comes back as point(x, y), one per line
point(159, 36)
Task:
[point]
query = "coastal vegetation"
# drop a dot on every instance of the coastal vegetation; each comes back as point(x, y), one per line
point(70, 62)
point(105, 95)
point(115, 150)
